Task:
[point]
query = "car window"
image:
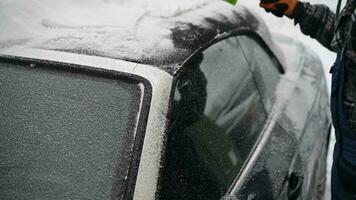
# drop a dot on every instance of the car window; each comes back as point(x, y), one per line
point(265, 68)
point(64, 135)
point(217, 117)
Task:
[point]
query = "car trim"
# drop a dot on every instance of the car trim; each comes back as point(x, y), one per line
point(239, 32)
point(257, 150)
point(161, 81)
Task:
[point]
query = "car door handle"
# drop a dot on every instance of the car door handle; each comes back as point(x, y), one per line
point(295, 183)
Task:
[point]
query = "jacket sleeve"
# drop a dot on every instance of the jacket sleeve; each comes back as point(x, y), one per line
point(317, 21)
point(351, 43)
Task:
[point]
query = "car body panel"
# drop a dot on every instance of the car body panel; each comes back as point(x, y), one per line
point(293, 145)
point(285, 153)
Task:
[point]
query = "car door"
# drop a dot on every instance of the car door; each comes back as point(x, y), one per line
point(295, 149)
point(272, 165)
point(221, 113)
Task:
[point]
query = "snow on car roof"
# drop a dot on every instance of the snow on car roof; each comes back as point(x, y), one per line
point(159, 32)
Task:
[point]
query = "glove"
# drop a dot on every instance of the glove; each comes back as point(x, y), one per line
point(280, 7)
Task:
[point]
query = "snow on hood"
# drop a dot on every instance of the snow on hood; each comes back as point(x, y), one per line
point(125, 29)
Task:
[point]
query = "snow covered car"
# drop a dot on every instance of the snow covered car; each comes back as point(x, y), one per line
point(195, 104)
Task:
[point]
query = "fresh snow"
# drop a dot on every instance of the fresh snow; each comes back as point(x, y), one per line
point(35, 23)
point(79, 24)
point(133, 30)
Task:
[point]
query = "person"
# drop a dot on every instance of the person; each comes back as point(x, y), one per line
point(337, 32)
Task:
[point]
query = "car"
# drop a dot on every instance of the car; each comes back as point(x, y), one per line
point(199, 104)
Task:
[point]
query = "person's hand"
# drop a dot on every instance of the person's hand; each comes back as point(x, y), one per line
point(280, 7)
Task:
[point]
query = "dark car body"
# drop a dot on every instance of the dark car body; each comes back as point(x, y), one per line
point(220, 113)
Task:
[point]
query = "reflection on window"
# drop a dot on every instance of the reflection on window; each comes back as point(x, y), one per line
point(218, 115)
point(264, 66)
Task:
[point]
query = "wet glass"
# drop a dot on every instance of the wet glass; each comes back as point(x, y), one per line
point(265, 68)
point(64, 135)
point(218, 115)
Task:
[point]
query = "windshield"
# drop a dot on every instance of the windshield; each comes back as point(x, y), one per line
point(64, 135)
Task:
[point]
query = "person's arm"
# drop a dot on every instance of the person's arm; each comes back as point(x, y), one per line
point(316, 21)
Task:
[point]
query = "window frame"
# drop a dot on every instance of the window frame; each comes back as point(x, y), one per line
point(240, 32)
point(234, 33)
point(258, 83)
point(142, 115)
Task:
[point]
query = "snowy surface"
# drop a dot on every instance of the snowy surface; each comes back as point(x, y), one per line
point(79, 25)
point(41, 20)
point(137, 30)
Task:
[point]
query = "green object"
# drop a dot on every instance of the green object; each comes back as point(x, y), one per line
point(233, 2)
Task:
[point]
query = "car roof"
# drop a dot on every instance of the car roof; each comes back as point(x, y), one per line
point(164, 37)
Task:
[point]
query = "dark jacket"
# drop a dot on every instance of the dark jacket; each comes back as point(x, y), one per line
point(319, 22)
point(338, 35)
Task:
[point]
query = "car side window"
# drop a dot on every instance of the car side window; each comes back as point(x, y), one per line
point(265, 68)
point(217, 117)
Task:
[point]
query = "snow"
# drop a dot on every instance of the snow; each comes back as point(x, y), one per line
point(68, 24)
point(132, 30)
point(43, 23)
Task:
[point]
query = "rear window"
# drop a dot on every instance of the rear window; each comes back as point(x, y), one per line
point(65, 135)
